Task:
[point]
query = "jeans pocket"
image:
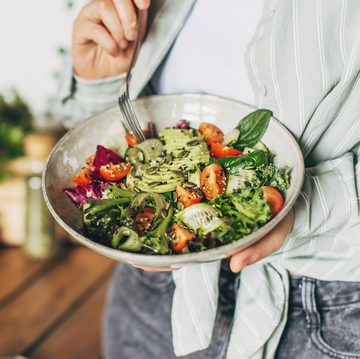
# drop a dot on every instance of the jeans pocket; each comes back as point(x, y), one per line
point(338, 332)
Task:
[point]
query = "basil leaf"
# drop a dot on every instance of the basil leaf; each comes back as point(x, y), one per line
point(252, 128)
point(232, 164)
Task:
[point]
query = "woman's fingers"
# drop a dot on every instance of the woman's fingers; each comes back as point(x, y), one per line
point(85, 31)
point(254, 253)
point(142, 4)
point(111, 20)
point(266, 246)
point(118, 17)
point(127, 14)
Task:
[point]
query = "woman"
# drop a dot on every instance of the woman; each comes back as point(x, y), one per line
point(303, 61)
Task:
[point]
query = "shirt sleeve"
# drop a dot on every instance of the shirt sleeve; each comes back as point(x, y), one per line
point(82, 98)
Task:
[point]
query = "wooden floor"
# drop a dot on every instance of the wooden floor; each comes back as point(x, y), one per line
point(54, 309)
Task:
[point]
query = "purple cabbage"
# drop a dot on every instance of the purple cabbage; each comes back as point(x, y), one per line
point(182, 125)
point(104, 157)
point(81, 193)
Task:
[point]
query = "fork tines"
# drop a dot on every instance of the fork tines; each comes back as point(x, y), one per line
point(131, 121)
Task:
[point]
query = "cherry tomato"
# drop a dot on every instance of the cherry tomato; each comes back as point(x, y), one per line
point(224, 151)
point(274, 198)
point(115, 172)
point(180, 236)
point(211, 133)
point(188, 196)
point(84, 177)
point(144, 219)
point(130, 139)
point(212, 180)
point(89, 162)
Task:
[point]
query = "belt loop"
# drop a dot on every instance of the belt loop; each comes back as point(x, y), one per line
point(309, 302)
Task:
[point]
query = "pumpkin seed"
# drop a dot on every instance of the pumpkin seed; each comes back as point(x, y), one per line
point(249, 168)
point(168, 159)
point(137, 189)
point(174, 195)
point(152, 170)
point(153, 184)
point(189, 184)
point(183, 154)
point(163, 213)
point(177, 173)
point(160, 160)
point(168, 205)
point(180, 205)
point(193, 143)
point(200, 193)
point(220, 213)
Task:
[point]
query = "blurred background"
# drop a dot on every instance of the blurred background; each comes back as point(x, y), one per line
point(52, 291)
point(35, 45)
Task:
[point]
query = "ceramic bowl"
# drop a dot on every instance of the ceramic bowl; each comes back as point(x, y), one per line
point(68, 156)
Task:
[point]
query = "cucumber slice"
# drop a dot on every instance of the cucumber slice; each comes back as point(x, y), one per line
point(235, 182)
point(195, 176)
point(248, 150)
point(131, 181)
point(126, 240)
point(84, 215)
point(231, 137)
point(142, 199)
point(261, 146)
point(200, 215)
point(145, 151)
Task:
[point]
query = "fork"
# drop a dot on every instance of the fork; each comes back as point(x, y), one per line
point(130, 120)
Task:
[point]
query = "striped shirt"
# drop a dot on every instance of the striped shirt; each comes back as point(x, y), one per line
point(304, 65)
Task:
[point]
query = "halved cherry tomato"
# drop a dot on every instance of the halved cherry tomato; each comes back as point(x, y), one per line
point(89, 162)
point(84, 177)
point(180, 236)
point(144, 219)
point(274, 198)
point(188, 196)
point(212, 180)
point(211, 133)
point(224, 151)
point(130, 139)
point(115, 172)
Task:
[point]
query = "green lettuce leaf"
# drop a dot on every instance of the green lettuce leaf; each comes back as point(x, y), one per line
point(251, 203)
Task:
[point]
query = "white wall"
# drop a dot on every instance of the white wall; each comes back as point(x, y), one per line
point(31, 31)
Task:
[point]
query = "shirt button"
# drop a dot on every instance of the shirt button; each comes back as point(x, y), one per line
point(263, 91)
point(271, 14)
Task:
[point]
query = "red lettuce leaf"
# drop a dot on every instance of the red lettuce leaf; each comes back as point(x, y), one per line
point(103, 157)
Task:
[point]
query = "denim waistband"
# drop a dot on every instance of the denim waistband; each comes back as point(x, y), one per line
point(326, 293)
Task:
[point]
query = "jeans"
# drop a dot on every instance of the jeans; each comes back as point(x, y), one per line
point(323, 318)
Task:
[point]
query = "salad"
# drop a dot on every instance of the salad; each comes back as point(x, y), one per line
point(187, 191)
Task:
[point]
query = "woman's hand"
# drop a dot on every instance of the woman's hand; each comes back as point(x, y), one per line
point(267, 245)
point(103, 37)
point(260, 250)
